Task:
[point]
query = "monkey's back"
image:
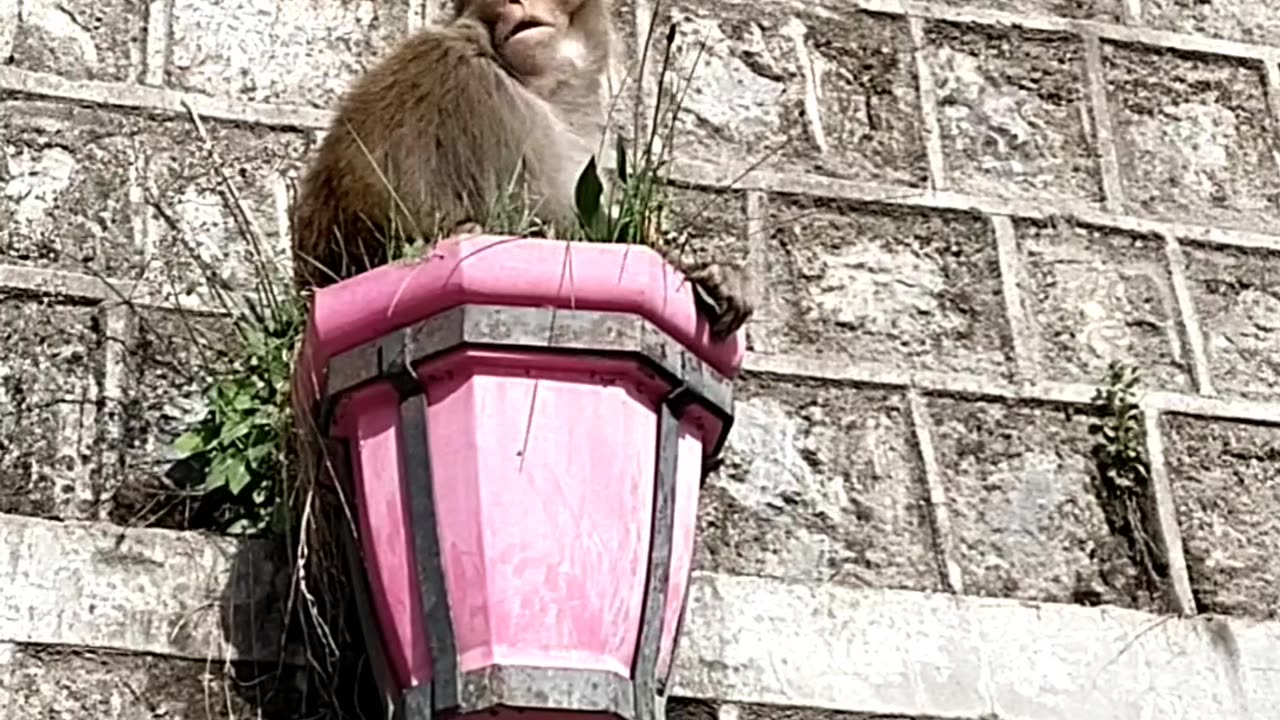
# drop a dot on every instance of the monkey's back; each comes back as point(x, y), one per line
point(423, 141)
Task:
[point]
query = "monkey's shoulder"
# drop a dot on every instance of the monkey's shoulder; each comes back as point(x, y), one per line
point(458, 41)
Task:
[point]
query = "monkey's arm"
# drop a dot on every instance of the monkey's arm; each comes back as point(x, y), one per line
point(725, 293)
point(437, 130)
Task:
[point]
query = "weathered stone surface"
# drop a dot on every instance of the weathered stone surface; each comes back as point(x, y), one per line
point(797, 86)
point(746, 640)
point(1194, 137)
point(1105, 10)
point(78, 39)
point(55, 683)
point(820, 484)
point(156, 591)
point(168, 368)
point(1026, 518)
point(97, 191)
point(904, 287)
point(66, 173)
point(1237, 297)
point(292, 51)
point(192, 216)
point(1226, 486)
point(785, 712)
point(1094, 296)
point(891, 652)
point(710, 225)
point(1013, 112)
point(685, 709)
point(50, 372)
point(1249, 20)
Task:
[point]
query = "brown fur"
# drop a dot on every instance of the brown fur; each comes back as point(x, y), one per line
point(425, 142)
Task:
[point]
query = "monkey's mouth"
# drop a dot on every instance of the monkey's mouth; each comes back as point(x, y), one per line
point(527, 25)
point(524, 25)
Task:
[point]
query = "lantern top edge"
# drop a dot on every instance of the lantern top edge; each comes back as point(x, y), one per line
point(504, 270)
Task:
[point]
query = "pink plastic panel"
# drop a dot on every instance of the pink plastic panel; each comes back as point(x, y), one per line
point(510, 271)
point(544, 477)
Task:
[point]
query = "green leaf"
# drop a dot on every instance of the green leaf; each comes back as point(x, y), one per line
point(229, 471)
point(234, 431)
point(244, 526)
point(189, 443)
point(257, 453)
point(587, 197)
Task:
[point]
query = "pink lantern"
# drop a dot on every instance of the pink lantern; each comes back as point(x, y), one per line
point(523, 426)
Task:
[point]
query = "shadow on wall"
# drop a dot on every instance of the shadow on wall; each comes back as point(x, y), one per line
point(290, 669)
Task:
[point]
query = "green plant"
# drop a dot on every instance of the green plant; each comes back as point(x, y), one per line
point(241, 440)
point(1120, 448)
point(632, 209)
point(1121, 463)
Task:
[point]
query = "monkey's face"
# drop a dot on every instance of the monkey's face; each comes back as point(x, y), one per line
point(534, 37)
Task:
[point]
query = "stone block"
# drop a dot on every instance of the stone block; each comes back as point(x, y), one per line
point(1013, 112)
point(65, 176)
point(138, 198)
point(820, 484)
point(301, 52)
point(1095, 295)
point(1194, 137)
point(1256, 21)
point(909, 288)
point(685, 709)
point(59, 683)
point(1226, 487)
point(168, 367)
point(788, 712)
point(198, 596)
point(1236, 292)
point(797, 87)
point(77, 39)
point(50, 372)
point(193, 236)
point(709, 225)
point(894, 654)
point(1026, 518)
point(1103, 10)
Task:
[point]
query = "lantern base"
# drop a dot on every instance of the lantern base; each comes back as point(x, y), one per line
point(534, 693)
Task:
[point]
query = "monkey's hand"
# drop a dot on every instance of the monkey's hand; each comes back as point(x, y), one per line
point(468, 227)
point(723, 292)
point(712, 464)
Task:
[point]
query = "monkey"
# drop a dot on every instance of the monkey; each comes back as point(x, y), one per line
point(430, 136)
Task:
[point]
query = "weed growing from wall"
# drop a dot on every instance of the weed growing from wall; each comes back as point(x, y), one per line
point(241, 441)
point(1123, 470)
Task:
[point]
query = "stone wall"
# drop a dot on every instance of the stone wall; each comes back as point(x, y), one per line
point(959, 213)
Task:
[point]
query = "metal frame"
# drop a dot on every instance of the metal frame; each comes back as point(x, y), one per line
point(392, 359)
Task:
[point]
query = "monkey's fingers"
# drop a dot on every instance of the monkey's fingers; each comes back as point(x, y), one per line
point(468, 227)
point(722, 290)
point(712, 464)
point(739, 311)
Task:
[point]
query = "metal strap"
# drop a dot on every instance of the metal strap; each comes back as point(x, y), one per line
point(538, 329)
point(664, 680)
point(415, 704)
point(360, 588)
point(418, 485)
point(541, 688)
point(645, 669)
